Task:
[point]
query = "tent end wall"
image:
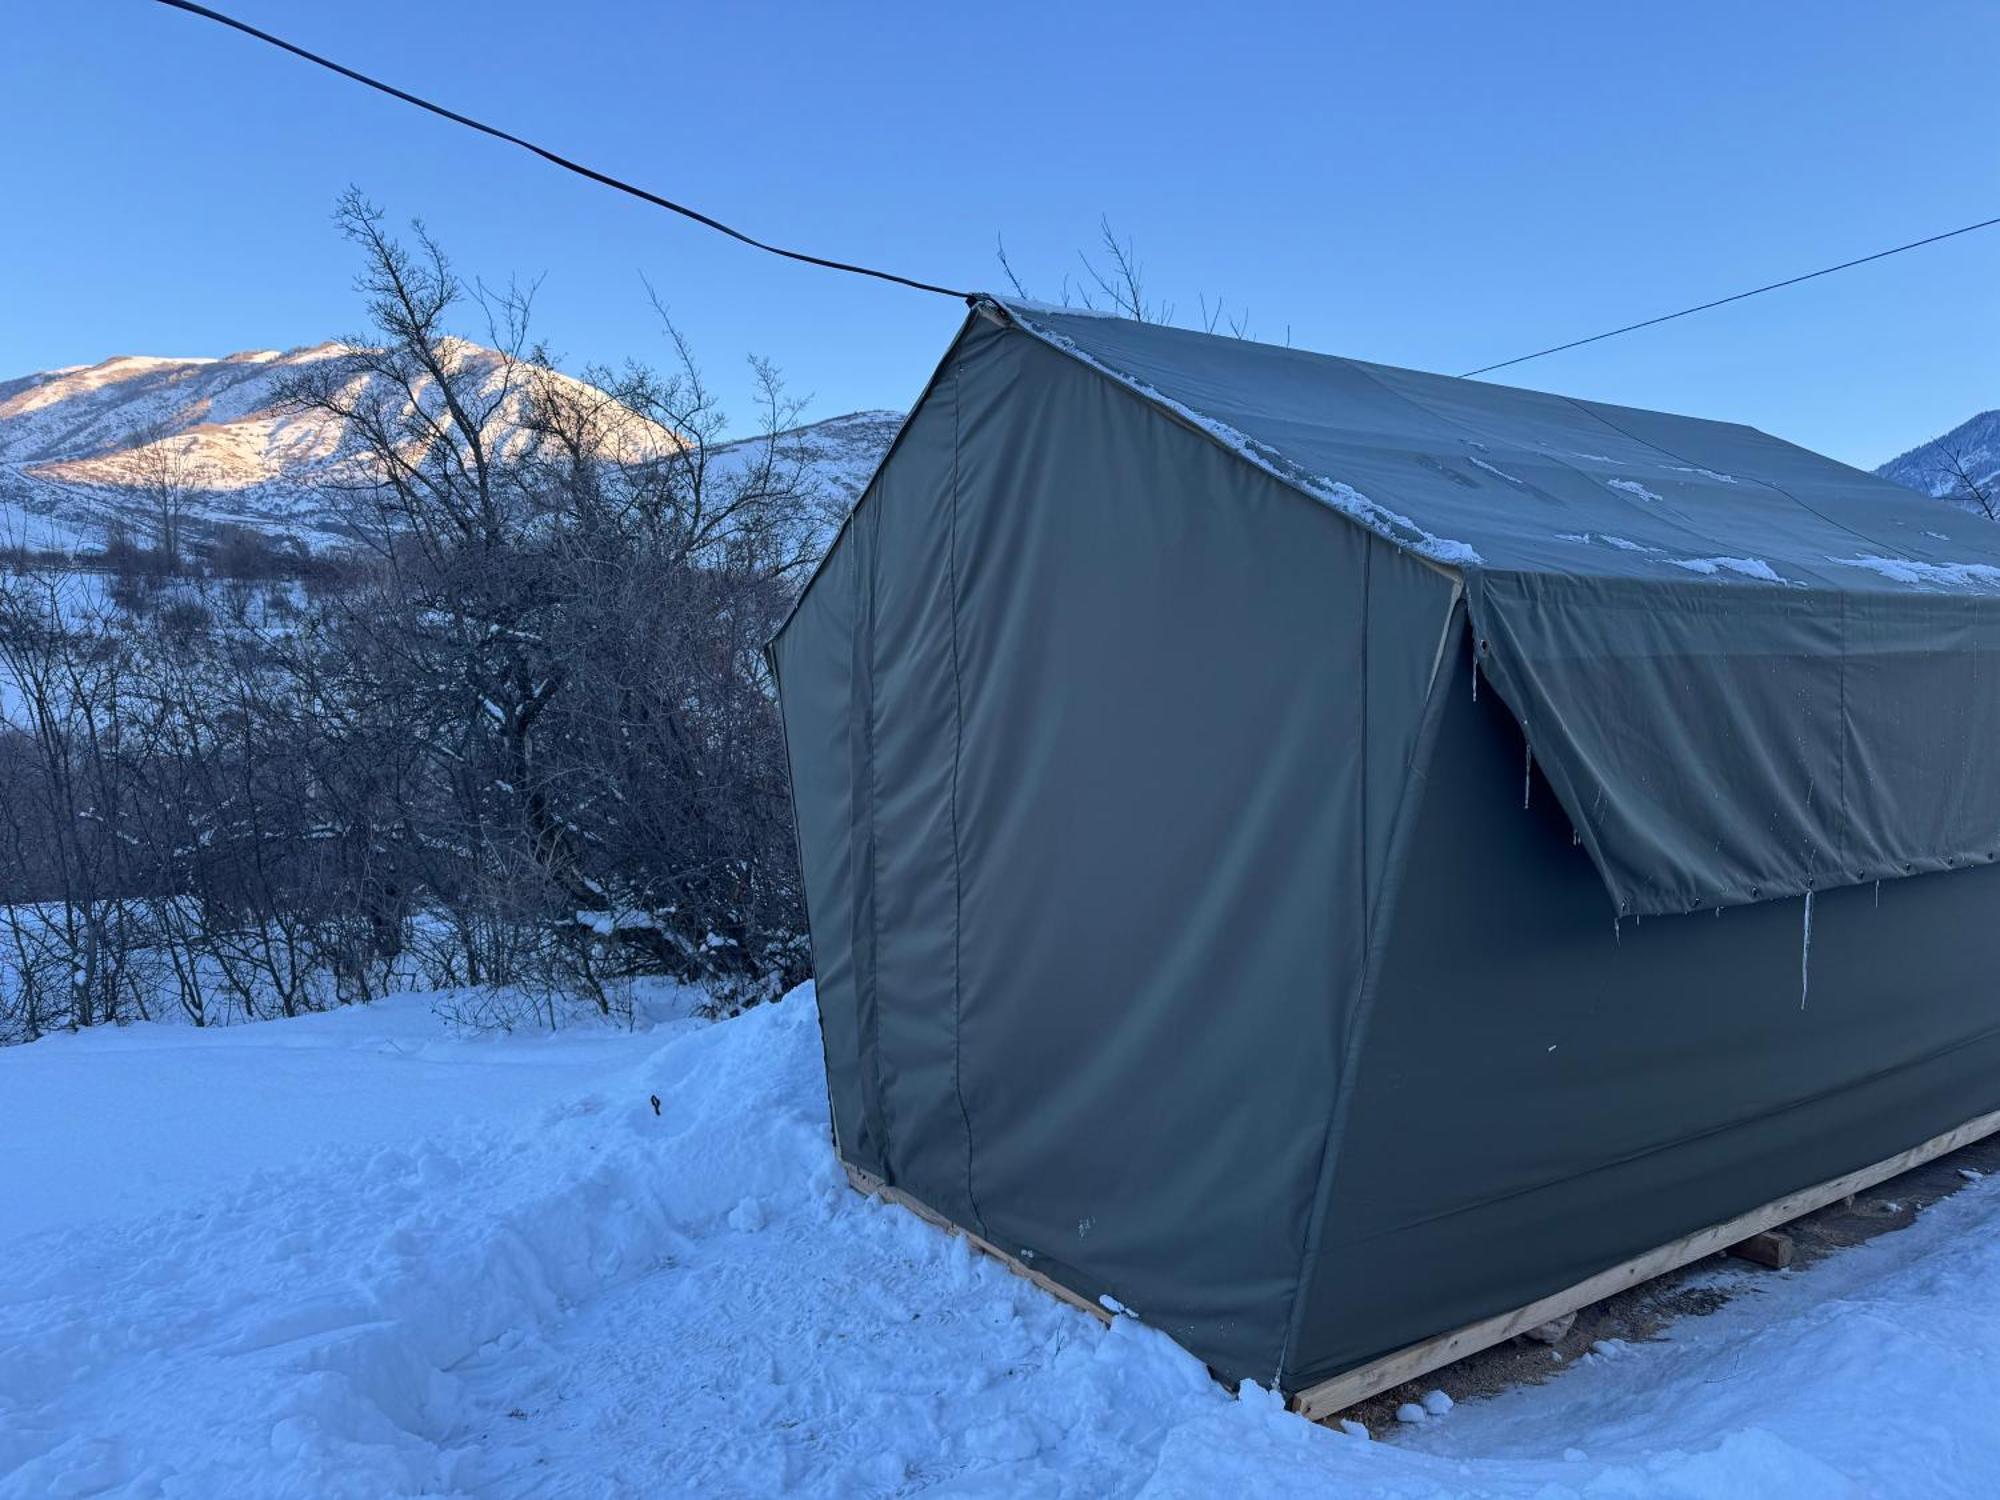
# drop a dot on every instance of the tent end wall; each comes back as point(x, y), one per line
point(1089, 839)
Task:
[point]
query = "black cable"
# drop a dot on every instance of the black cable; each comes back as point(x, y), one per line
point(924, 286)
point(561, 161)
point(1722, 301)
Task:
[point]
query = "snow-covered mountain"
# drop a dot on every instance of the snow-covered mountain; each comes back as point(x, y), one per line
point(1934, 468)
point(843, 451)
point(73, 441)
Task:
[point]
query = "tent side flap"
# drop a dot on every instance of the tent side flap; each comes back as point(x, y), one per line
point(1722, 744)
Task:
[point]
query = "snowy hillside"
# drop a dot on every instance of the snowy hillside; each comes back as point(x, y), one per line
point(354, 1255)
point(70, 444)
point(1973, 444)
point(843, 451)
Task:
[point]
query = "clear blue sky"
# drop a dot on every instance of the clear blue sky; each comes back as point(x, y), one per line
point(1429, 185)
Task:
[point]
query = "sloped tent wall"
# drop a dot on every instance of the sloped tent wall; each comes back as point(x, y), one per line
point(1098, 739)
point(1541, 1095)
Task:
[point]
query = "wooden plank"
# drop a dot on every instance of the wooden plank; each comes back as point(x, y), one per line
point(872, 1186)
point(1343, 1390)
point(1767, 1249)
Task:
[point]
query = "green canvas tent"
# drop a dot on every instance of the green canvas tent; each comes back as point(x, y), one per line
point(1325, 855)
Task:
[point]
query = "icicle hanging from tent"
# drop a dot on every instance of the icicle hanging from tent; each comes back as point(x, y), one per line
point(1805, 952)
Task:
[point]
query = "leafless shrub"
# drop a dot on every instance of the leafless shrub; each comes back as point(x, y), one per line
point(519, 747)
point(1113, 280)
point(170, 480)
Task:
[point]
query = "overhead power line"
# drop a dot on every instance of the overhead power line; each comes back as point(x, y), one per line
point(1755, 291)
point(620, 185)
point(547, 155)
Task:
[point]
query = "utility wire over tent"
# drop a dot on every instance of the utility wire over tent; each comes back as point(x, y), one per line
point(1228, 782)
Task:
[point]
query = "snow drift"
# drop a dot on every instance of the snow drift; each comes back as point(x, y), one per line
point(351, 1255)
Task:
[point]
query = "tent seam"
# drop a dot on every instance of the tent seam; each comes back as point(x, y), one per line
point(1756, 479)
point(874, 1112)
point(1541, 455)
point(1365, 984)
point(957, 860)
point(1846, 814)
point(875, 861)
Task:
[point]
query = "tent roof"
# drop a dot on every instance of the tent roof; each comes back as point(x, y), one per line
point(1746, 671)
point(1475, 475)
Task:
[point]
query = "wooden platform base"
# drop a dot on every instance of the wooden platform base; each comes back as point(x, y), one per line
point(875, 1187)
point(1747, 1234)
point(1342, 1391)
point(1767, 1249)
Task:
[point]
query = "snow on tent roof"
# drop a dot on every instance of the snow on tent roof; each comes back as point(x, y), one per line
point(1747, 671)
point(1479, 475)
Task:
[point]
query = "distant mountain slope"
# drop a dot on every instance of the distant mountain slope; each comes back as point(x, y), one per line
point(1973, 445)
point(71, 444)
point(842, 452)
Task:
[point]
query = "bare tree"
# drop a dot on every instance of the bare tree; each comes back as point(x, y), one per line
point(523, 739)
point(1951, 466)
point(170, 480)
point(65, 806)
point(571, 592)
point(1114, 281)
point(1114, 284)
point(1119, 279)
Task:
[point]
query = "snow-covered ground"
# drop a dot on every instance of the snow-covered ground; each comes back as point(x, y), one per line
point(355, 1255)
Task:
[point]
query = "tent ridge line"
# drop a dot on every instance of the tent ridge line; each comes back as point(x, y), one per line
point(1171, 410)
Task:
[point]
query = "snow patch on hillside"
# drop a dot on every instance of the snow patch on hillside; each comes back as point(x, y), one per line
point(1930, 468)
point(72, 442)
